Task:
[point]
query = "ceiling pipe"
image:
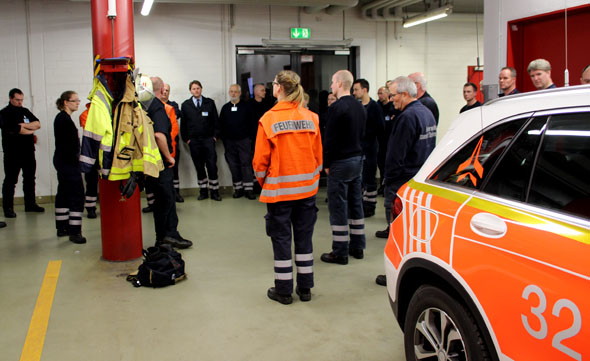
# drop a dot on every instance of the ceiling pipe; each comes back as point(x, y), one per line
point(396, 14)
point(315, 9)
point(370, 10)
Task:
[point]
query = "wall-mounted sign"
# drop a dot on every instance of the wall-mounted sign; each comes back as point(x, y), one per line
point(300, 33)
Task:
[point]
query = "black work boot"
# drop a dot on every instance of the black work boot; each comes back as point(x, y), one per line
point(238, 193)
point(204, 194)
point(91, 213)
point(250, 195)
point(215, 195)
point(34, 207)
point(275, 296)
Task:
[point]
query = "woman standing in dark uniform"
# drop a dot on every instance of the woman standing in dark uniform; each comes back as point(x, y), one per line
point(69, 201)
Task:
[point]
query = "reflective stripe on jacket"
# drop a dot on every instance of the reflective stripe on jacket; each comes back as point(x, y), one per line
point(288, 156)
point(135, 144)
point(97, 139)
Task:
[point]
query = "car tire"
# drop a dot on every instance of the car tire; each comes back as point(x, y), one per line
point(431, 310)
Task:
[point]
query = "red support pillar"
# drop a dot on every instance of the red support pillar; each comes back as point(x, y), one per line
point(120, 218)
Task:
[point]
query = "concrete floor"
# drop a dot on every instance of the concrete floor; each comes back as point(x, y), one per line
point(220, 312)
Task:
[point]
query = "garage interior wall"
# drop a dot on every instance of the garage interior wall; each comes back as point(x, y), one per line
point(47, 49)
point(497, 15)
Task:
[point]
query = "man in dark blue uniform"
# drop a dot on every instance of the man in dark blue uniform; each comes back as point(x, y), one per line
point(200, 129)
point(507, 81)
point(18, 127)
point(164, 207)
point(373, 127)
point(236, 122)
point(389, 113)
point(412, 140)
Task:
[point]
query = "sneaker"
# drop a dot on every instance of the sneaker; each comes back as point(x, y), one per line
point(275, 296)
point(238, 193)
point(91, 213)
point(382, 234)
point(356, 253)
point(9, 213)
point(34, 208)
point(77, 238)
point(303, 293)
point(147, 209)
point(250, 195)
point(62, 232)
point(179, 198)
point(177, 243)
point(381, 280)
point(215, 196)
point(332, 258)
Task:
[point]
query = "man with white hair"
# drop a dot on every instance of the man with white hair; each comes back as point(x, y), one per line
point(422, 95)
point(540, 72)
point(412, 139)
point(235, 122)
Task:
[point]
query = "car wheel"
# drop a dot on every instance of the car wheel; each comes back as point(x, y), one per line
point(439, 328)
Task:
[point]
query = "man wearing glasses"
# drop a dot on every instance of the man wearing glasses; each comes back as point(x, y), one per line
point(18, 142)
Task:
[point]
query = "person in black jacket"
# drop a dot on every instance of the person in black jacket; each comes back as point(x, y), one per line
point(235, 122)
point(412, 139)
point(373, 127)
point(69, 200)
point(470, 96)
point(343, 164)
point(422, 95)
point(200, 129)
point(18, 142)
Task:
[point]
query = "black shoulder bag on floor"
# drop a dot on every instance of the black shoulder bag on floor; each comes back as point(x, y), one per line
point(162, 266)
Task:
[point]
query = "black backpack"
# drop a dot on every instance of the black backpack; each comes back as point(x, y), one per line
point(162, 266)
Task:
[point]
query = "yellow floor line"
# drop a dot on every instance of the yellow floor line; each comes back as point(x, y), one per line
point(38, 327)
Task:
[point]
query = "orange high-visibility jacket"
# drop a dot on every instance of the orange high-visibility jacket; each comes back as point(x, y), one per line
point(288, 156)
point(174, 131)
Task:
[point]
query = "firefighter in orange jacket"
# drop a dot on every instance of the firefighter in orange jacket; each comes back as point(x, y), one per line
point(287, 162)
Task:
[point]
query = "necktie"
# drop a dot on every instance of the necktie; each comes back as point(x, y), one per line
point(198, 103)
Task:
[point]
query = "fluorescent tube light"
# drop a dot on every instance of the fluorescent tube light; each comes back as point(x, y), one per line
point(430, 15)
point(147, 6)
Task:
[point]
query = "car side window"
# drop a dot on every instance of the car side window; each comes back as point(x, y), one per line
point(561, 178)
point(510, 178)
point(470, 165)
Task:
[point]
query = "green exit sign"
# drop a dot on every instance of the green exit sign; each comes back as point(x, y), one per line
point(300, 33)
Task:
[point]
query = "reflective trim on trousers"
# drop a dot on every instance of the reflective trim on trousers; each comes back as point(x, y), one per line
point(283, 276)
point(304, 257)
point(305, 270)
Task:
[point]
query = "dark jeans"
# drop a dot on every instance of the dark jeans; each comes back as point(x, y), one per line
point(69, 199)
point(13, 163)
point(239, 160)
point(346, 206)
point(301, 215)
point(164, 207)
point(204, 155)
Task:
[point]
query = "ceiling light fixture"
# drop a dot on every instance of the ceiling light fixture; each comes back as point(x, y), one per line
point(430, 15)
point(147, 6)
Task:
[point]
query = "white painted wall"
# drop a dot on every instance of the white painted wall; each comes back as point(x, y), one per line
point(498, 13)
point(182, 42)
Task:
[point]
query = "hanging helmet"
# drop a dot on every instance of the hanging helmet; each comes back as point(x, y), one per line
point(144, 88)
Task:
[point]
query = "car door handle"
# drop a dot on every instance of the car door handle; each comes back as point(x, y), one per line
point(488, 225)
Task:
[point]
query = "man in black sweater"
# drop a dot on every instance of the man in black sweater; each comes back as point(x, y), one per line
point(373, 127)
point(199, 129)
point(18, 142)
point(422, 95)
point(345, 128)
point(236, 122)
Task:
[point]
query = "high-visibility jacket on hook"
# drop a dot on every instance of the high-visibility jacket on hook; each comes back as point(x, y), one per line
point(288, 156)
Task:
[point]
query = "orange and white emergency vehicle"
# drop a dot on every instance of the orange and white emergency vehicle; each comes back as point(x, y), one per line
point(488, 256)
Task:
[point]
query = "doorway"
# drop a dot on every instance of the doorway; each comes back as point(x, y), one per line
point(314, 66)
